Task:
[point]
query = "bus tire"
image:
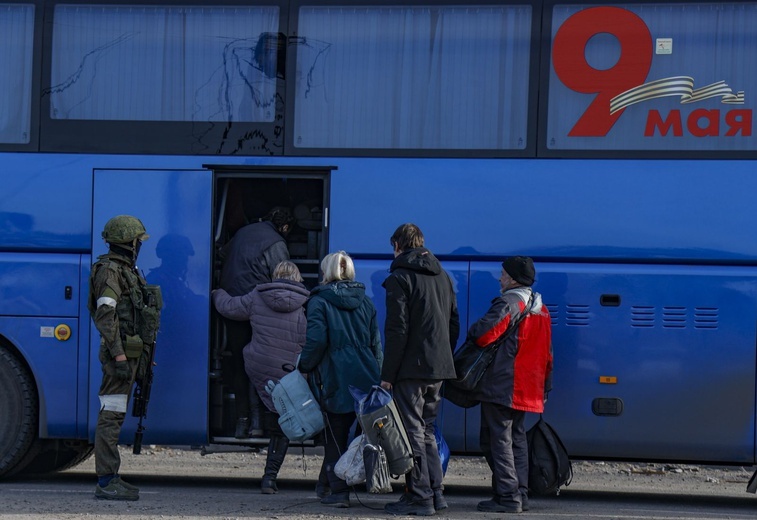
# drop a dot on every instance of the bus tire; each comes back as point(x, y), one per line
point(50, 455)
point(18, 409)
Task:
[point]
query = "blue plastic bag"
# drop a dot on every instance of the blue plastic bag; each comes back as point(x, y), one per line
point(441, 445)
point(374, 399)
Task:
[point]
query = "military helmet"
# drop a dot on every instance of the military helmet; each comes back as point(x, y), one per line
point(124, 229)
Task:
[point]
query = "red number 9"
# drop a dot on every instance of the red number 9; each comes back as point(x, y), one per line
point(569, 61)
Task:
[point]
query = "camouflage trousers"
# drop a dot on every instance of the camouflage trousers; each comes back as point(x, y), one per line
point(114, 398)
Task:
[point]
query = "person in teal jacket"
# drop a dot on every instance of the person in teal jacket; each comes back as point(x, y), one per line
point(342, 349)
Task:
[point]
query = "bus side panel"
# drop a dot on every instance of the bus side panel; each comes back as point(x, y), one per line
point(39, 284)
point(550, 209)
point(175, 207)
point(39, 293)
point(53, 364)
point(43, 209)
point(677, 346)
point(372, 273)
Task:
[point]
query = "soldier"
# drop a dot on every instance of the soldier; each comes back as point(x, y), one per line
point(126, 312)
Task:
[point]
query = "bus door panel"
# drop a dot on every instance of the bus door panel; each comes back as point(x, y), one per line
point(372, 273)
point(38, 316)
point(653, 361)
point(176, 209)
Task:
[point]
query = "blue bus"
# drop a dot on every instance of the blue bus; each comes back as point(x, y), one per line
point(613, 143)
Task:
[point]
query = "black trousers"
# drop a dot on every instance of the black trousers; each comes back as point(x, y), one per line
point(418, 402)
point(239, 334)
point(503, 441)
point(338, 428)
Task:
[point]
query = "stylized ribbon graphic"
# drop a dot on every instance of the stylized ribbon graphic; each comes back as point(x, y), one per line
point(676, 86)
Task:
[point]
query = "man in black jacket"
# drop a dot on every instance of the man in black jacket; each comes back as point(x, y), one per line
point(421, 330)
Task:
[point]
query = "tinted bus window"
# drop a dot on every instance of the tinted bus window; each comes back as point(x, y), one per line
point(16, 51)
point(413, 77)
point(653, 77)
point(148, 63)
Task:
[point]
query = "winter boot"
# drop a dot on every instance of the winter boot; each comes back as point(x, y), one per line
point(277, 450)
point(243, 428)
point(323, 488)
point(256, 414)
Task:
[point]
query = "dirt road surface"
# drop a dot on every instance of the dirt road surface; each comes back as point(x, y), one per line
point(182, 483)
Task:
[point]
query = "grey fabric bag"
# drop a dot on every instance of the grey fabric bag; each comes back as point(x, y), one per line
point(384, 428)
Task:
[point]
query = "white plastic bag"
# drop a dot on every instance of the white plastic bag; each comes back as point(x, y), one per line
point(350, 467)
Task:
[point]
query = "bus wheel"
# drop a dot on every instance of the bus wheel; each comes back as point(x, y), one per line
point(18, 409)
point(49, 455)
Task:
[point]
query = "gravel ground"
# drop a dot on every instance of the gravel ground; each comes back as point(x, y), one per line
point(180, 483)
point(464, 471)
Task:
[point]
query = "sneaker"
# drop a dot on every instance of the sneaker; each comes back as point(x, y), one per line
point(407, 505)
point(495, 506)
point(130, 487)
point(243, 428)
point(337, 499)
point(115, 490)
point(439, 500)
point(322, 490)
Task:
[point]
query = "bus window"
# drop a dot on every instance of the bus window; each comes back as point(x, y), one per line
point(413, 77)
point(16, 50)
point(646, 76)
point(160, 63)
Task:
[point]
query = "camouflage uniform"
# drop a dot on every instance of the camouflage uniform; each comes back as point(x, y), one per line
point(118, 303)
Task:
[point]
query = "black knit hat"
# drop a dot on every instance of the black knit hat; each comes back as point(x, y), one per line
point(520, 268)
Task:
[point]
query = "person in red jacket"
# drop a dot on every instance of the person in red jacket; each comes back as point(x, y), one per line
point(516, 382)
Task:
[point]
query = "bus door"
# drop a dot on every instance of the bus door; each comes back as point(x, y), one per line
point(244, 195)
point(176, 208)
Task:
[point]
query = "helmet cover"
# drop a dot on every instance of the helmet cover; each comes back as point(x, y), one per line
point(124, 229)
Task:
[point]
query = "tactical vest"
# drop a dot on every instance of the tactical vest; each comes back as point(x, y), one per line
point(138, 309)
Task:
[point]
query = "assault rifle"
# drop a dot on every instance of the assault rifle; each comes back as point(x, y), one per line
point(141, 399)
point(143, 385)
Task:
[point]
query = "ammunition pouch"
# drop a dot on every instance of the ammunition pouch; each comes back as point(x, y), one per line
point(133, 346)
point(149, 324)
point(153, 296)
point(150, 313)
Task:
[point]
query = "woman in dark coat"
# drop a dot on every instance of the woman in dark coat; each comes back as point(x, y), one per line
point(277, 314)
point(343, 348)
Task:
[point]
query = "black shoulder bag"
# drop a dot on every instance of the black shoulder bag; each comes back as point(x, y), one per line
point(472, 361)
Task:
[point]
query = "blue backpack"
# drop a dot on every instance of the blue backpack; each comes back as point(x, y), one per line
point(300, 416)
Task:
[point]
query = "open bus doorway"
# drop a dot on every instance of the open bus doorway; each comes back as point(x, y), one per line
point(244, 196)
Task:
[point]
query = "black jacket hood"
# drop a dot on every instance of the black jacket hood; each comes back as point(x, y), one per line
point(420, 259)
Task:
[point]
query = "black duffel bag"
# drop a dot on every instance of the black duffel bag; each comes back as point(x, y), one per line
point(472, 361)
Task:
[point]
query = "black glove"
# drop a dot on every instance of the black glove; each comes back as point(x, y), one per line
point(123, 371)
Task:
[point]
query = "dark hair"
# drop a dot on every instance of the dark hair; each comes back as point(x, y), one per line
point(280, 216)
point(407, 236)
